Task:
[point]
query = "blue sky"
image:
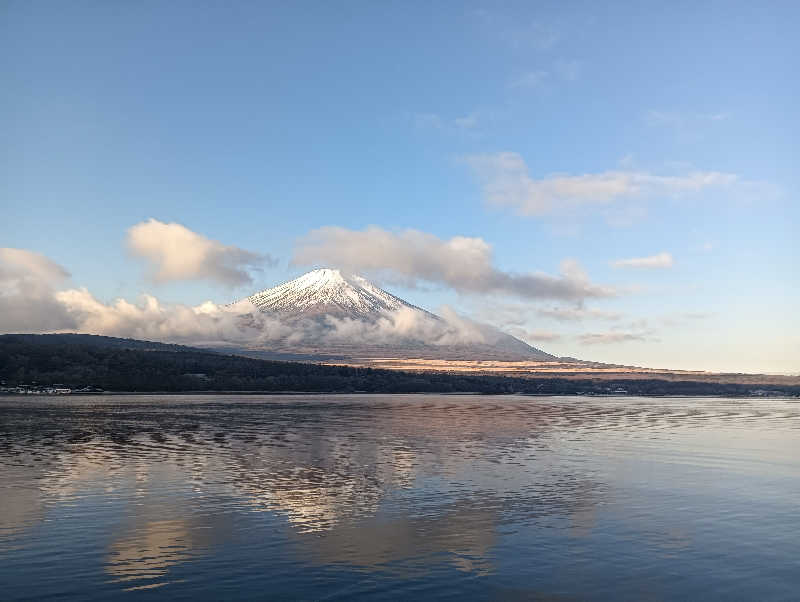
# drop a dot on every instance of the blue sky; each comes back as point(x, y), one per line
point(550, 131)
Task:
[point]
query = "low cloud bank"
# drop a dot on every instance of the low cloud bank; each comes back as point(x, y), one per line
point(405, 325)
point(149, 319)
point(32, 300)
point(461, 263)
point(243, 324)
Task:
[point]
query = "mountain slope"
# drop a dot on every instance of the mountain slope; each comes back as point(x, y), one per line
point(329, 291)
point(334, 313)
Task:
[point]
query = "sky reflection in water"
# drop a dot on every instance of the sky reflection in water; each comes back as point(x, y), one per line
point(399, 496)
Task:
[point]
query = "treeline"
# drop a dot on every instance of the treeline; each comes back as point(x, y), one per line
point(90, 340)
point(110, 364)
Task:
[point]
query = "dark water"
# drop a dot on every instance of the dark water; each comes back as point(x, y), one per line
point(398, 497)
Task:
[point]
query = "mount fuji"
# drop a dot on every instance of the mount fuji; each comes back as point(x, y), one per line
point(329, 292)
point(328, 312)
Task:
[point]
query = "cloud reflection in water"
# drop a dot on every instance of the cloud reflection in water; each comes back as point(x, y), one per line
point(401, 487)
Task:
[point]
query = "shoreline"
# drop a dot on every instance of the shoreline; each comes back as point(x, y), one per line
point(781, 395)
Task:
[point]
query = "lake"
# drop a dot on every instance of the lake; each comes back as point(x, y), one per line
point(397, 497)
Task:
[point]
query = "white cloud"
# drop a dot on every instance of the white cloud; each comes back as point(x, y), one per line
point(242, 324)
point(150, 319)
point(177, 253)
point(31, 301)
point(461, 263)
point(27, 283)
point(405, 325)
point(507, 183)
point(22, 264)
point(659, 261)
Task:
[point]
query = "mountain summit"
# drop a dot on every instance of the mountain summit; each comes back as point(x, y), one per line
point(328, 311)
point(329, 291)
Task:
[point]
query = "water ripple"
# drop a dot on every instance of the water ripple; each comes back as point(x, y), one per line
point(397, 496)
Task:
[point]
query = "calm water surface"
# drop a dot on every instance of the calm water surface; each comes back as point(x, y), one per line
point(397, 497)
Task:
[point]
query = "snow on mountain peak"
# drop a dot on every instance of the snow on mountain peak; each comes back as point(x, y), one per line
point(328, 291)
point(388, 324)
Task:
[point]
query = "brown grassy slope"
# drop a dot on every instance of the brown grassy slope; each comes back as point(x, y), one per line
point(572, 370)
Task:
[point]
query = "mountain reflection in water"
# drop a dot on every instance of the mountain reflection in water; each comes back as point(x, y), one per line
point(394, 496)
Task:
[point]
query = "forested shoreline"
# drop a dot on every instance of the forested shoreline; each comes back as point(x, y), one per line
point(124, 365)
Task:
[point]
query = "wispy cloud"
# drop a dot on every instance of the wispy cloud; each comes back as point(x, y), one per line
point(466, 122)
point(683, 120)
point(681, 319)
point(567, 69)
point(526, 35)
point(562, 69)
point(177, 253)
point(435, 121)
point(577, 314)
point(427, 121)
point(507, 183)
point(530, 79)
point(608, 338)
point(637, 330)
point(659, 261)
point(462, 263)
point(537, 35)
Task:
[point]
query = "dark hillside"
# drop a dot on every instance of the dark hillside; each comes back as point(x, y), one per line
point(78, 361)
point(90, 340)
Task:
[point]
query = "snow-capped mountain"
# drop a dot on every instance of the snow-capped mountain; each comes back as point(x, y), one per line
point(328, 311)
point(331, 292)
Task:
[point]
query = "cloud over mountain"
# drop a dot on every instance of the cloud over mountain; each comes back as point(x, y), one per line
point(461, 263)
point(35, 297)
point(243, 324)
point(177, 253)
